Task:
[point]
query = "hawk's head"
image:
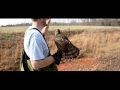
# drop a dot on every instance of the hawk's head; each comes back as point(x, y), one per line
point(57, 32)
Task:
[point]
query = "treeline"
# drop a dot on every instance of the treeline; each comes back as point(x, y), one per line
point(22, 24)
point(96, 22)
point(85, 21)
point(101, 22)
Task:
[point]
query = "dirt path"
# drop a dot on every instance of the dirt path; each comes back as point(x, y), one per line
point(105, 63)
point(78, 65)
point(83, 64)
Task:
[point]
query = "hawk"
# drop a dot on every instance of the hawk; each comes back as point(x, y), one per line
point(69, 50)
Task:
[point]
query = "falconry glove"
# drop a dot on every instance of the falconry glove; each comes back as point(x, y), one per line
point(57, 56)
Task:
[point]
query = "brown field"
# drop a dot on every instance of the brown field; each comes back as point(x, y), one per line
point(100, 49)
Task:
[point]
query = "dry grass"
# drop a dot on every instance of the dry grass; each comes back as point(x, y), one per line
point(10, 49)
point(94, 43)
point(17, 29)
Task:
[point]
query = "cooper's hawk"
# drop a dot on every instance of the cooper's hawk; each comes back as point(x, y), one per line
point(64, 44)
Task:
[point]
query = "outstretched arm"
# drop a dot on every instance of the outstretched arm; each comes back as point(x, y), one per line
point(45, 29)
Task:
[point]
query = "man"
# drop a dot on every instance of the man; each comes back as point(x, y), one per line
point(37, 50)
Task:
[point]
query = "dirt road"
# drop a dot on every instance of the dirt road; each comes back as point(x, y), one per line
point(90, 64)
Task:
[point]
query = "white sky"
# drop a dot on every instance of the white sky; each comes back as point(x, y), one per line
point(6, 21)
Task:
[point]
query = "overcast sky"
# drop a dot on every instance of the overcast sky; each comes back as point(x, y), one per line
point(6, 21)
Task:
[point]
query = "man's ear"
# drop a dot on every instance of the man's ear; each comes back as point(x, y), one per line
point(34, 19)
point(39, 18)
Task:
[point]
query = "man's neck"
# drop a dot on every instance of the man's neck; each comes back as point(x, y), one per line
point(39, 26)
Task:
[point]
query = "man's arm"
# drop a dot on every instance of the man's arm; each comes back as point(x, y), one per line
point(45, 29)
point(36, 64)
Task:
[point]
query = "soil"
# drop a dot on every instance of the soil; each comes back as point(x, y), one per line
point(90, 64)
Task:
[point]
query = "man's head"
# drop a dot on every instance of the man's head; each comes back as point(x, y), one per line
point(40, 20)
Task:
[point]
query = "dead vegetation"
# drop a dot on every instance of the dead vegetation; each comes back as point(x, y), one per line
point(102, 47)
